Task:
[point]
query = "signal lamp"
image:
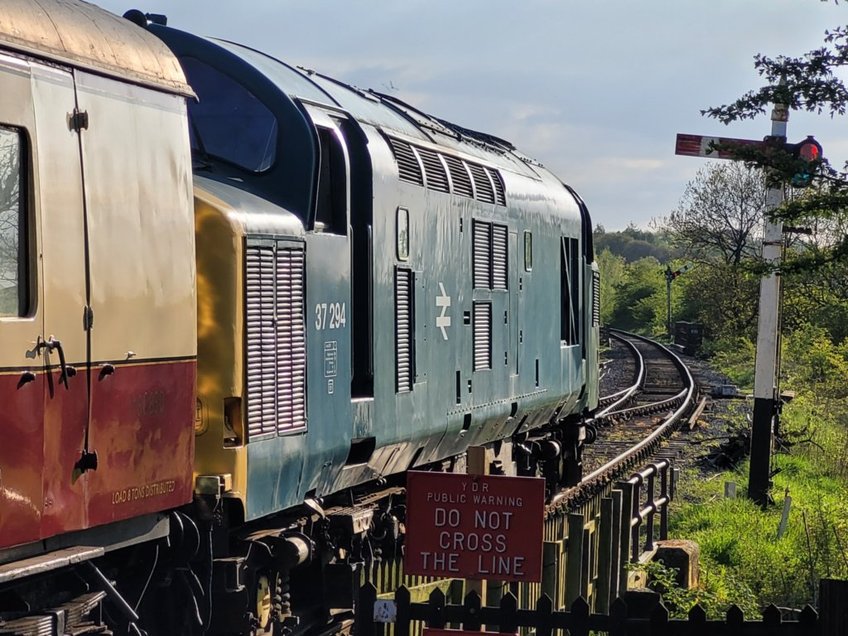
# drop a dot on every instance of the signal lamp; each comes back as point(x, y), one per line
point(808, 154)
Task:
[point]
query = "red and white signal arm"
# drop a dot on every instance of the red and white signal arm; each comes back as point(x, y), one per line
point(704, 146)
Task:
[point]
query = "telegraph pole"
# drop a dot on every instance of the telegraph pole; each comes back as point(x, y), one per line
point(768, 326)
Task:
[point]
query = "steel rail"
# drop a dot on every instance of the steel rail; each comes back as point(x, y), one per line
point(614, 400)
point(638, 452)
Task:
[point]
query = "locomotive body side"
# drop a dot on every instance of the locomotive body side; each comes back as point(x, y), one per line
point(96, 225)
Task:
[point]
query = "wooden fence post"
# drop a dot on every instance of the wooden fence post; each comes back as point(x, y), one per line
point(833, 607)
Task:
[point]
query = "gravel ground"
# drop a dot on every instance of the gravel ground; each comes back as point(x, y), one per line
point(721, 416)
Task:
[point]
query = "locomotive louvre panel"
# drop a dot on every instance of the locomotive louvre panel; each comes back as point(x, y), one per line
point(460, 178)
point(446, 173)
point(497, 182)
point(291, 341)
point(482, 254)
point(482, 326)
point(434, 170)
point(275, 340)
point(499, 257)
point(490, 259)
point(409, 168)
point(483, 188)
point(404, 329)
point(260, 345)
point(596, 299)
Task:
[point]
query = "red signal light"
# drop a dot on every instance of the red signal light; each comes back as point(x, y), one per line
point(808, 150)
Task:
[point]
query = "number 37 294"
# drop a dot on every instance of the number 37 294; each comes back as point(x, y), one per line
point(330, 316)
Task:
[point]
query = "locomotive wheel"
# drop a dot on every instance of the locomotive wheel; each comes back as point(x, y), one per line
point(264, 604)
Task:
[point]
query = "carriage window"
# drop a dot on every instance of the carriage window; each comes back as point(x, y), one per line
point(14, 297)
point(228, 121)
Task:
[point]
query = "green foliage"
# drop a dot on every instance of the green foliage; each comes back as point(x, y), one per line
point(739, 542)
point(735, 358)
point(612, 268)
point(640, 298)
point(813, 361)
point(633, 244)
point(813, 82)
point(717, 590)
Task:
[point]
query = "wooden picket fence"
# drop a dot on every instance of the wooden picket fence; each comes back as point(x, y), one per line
point(404, 617)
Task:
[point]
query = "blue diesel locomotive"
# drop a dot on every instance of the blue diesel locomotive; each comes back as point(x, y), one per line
point(376, 290)
point(407, 288)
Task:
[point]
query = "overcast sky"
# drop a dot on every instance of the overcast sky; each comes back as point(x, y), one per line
point(595, 90)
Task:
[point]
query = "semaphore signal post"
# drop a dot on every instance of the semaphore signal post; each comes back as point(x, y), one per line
point(768, 326)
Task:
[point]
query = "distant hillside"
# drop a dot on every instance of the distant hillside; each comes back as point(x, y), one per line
point(633, 244)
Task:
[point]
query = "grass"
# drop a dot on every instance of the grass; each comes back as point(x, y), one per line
point(745, 561)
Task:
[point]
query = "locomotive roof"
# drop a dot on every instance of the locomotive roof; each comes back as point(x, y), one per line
point(384, 111)
point(85, 36)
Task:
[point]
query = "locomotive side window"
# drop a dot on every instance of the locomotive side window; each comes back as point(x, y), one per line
point(570, 285)
point(402, 234)
point(228, 121)
point(331, 203)
point(528, 251)
point(14, 287)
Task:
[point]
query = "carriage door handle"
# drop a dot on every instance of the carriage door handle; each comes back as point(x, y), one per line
point(67, 372)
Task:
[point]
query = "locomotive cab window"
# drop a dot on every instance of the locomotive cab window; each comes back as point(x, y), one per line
point(227, 121)
point(570, 291)
point(14, 230)
point(331, 199)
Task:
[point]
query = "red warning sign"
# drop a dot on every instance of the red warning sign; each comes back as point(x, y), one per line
point(474, 526)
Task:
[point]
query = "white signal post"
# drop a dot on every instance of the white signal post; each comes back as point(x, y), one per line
point(768, 325)
point(768, 336)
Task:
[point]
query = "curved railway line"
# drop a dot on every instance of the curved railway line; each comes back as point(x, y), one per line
point(633, 421)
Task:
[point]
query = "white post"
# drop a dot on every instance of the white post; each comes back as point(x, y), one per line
point(768, 325)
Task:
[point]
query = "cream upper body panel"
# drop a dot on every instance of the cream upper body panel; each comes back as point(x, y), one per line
point(85, 36)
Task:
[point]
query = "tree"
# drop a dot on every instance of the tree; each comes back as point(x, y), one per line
point(719, 218)
point(717, 224)
point(810, 82)
point(640, 298)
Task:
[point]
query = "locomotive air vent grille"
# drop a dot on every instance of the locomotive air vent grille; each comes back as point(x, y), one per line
point(483, 188)
point(434, 170)
point(404, 329)
point(482, 254)
point(596, 299)
point(409, 167)
point(426, 167)
point(482, 336)
point(275, 340)
point(459, 177)
point(291, 341)
point(497, 180)
point(261, 340)
point(499, 257)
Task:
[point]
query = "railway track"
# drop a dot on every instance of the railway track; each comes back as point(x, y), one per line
point(633, 421)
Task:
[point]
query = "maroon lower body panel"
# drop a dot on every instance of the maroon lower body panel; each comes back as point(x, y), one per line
point(21, 457)
point(141, 429)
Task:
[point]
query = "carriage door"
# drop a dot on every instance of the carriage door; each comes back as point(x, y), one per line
point(140, 247)
point(63, 341)
point(21, 372)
